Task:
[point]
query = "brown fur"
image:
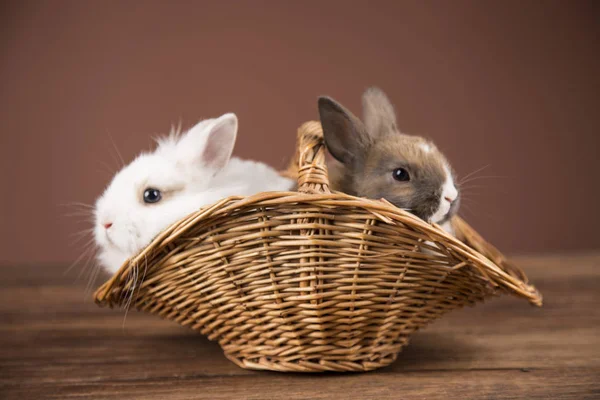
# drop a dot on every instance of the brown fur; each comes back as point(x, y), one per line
point(368, 154)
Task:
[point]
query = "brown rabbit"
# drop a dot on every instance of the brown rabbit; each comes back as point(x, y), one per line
point(377, 161)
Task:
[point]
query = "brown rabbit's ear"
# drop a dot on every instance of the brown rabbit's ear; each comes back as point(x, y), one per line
point(378, 112)
point(345, 135)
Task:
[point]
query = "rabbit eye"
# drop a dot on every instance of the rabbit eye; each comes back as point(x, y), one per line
point(400, 174)
point(152, 195)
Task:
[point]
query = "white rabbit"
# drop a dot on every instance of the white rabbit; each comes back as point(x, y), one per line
point(183, 174)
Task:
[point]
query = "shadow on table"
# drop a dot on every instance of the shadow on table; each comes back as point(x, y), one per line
point(427, 351)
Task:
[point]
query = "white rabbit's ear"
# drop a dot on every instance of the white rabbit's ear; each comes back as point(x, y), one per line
point(209, 144)
point(220, 142)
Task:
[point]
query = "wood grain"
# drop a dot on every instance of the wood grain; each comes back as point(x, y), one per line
point(55, 343)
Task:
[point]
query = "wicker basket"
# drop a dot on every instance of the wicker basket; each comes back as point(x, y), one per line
point(310, 281)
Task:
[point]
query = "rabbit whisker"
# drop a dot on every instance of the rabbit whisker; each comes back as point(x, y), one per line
point(116, 150)
point(473, 173)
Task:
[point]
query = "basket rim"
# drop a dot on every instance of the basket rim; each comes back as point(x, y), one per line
point(379, 209)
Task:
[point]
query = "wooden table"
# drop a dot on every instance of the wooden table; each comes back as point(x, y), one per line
point(55, 343)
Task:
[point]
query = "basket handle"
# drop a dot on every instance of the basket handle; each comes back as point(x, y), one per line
point(309, 161)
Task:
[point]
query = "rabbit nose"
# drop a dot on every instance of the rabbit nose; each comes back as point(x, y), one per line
point(107, 225)
point(449, 199)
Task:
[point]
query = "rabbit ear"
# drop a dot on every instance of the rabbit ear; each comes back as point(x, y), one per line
point(209, 144)
point(378, 112)
point(345, 135)
point(220, 142)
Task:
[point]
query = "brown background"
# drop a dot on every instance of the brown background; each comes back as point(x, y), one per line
point(511, 84)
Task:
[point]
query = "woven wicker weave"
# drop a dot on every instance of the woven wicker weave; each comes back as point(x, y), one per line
point(310, 281)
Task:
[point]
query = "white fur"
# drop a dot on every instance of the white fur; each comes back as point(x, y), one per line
point(191, 171)
point(449, 191)
point(447, 226)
